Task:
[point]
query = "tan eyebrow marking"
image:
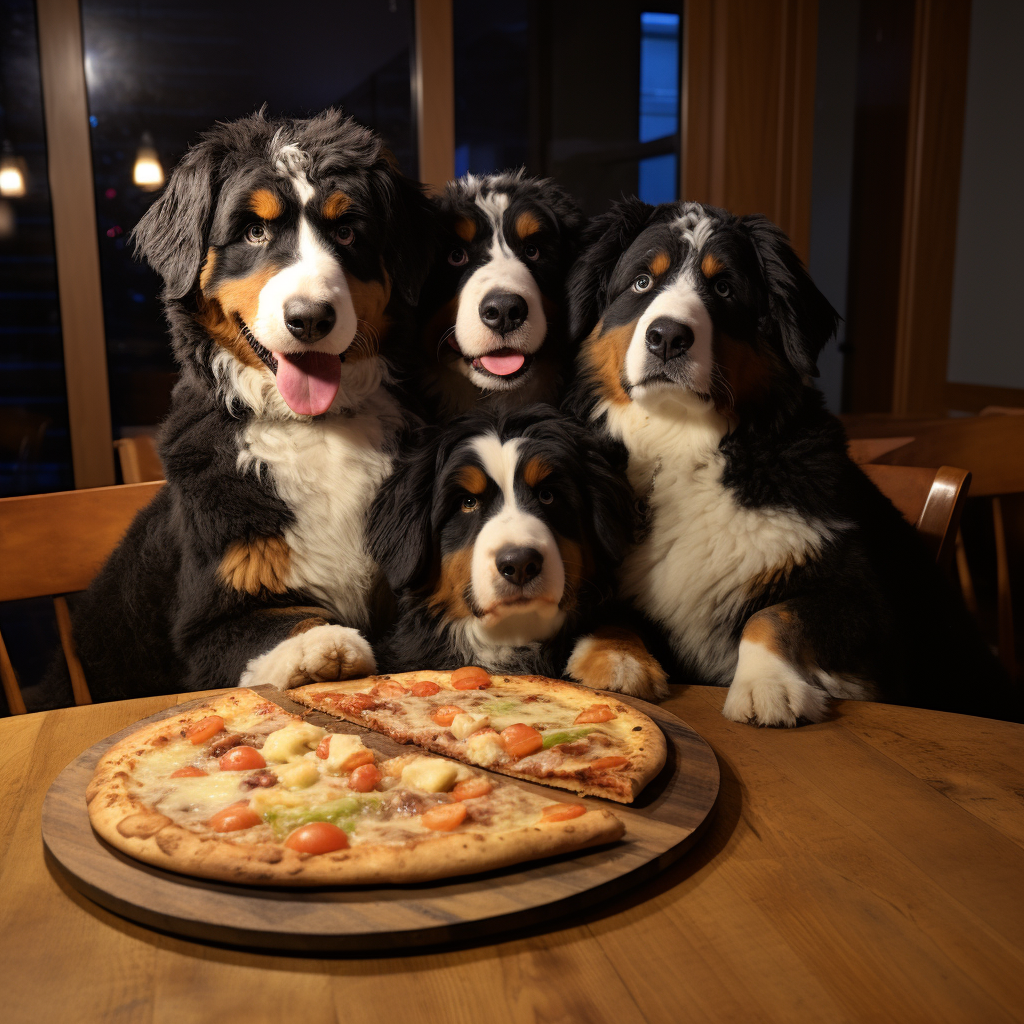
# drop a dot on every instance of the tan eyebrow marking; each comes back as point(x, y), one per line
point(535, 471)
point(660, 262)
point(207, 271)
point(465, 228)
point(472, 478)
point(711, 265)
point(336, 204)
point(527, 224)
point(265, 204)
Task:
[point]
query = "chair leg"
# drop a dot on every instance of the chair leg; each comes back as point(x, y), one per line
point(964, 572)
point(78, 684)
point(15, 701)
point(1007, 655)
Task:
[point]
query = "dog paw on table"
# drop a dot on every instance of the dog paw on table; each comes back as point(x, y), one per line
point(319, 655)
point(616, 659)
point(767, 690)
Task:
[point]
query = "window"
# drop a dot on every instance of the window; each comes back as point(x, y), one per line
point(35, 448)
point(659, 105)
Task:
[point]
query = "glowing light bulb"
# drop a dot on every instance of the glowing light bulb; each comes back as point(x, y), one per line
point(148, 173)
point(13, 176)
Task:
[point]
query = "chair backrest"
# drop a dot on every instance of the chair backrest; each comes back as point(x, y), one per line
point(932, 500)
point(991, 447)
point(139, 460)
point(54, 544)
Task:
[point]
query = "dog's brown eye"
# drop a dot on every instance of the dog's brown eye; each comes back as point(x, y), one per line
point(257, 234)
point(531, 252)
point(642, 283)
point(469, 503)
point(458, 257)
point(722, 288)
point(345, 235)
point(545, 496)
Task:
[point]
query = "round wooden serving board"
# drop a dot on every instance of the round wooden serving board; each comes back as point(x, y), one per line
point(661, 825)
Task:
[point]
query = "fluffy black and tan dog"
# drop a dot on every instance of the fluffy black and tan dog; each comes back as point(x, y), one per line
point(289, 251)
point(492, 311)
point(500, 537)
point(769, 561)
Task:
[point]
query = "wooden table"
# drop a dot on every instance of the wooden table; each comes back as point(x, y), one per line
point(870, 868)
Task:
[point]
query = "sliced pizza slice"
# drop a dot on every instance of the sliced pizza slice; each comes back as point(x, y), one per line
point(239, 790)
point(529, 727)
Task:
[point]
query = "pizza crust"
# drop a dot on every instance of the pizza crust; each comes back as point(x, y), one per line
point(647, 752)
point(142, 832)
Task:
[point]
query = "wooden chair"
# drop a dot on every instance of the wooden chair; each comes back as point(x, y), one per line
point(139, 460)
point(930, 499)
point(54, 544)
point(992, 447)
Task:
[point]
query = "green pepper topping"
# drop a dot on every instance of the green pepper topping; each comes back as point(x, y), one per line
point(570, 736)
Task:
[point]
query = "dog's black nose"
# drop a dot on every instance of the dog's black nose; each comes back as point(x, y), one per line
point(667, 338)
point(503, 311)
point(519, 565)
point(309, 321)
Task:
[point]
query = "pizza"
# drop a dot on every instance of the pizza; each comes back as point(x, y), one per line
point(239, 790)
point(529, 727)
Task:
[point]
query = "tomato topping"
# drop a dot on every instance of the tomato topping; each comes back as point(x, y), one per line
point(205, 729)
point(445, 714)
point(609, 762)
point(317, 837)
point(595, 713)
point(357, 703)
point(521, 740)
point(470, 678)
point(233, 818)
point(424, 689)
point(187, 773)
point(389, 688)
point(324, 747)
point(241, 759)
point(562, 812)
point(444, 817)
point(468, 789)
point(364, 778)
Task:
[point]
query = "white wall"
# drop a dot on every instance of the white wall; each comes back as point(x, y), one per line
point(986, 338)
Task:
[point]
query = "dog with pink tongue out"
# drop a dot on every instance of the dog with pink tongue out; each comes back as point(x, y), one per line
point(491, 316)
point(292, 254)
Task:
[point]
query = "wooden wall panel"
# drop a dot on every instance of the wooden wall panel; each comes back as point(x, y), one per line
point(748, 108)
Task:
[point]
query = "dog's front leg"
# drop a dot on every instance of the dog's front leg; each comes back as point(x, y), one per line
point(314, 652)
point(611, 658)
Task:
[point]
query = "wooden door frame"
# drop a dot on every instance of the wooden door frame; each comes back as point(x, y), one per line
point(938, 102)
point(434, 85)
point(73, 199)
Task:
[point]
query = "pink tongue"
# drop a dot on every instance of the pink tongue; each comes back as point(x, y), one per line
point(503, 365)
point(308, 382)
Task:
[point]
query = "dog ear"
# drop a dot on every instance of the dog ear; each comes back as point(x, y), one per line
point(802, 316)
point(400, 536)
point(603, 241)
point(172, 235)
point(413, 228)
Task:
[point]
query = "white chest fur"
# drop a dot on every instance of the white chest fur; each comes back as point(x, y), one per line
point(327, 472)
point(693, 571)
